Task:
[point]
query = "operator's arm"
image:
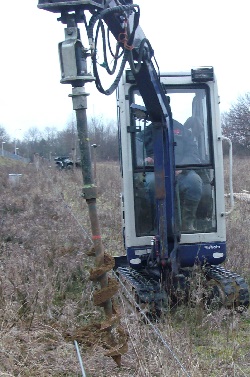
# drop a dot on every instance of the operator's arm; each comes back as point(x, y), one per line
point(186, 150)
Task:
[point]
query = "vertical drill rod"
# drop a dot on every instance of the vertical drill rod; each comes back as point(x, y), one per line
point(89, 189)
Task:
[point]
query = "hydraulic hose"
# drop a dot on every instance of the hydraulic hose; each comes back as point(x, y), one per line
point(136, 68)
point(90, 31)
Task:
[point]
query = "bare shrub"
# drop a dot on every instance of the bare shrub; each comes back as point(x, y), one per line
point(45, 292)
point(238, 223)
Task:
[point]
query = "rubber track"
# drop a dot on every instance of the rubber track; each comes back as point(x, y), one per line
point(147, 289)
point(234, 287)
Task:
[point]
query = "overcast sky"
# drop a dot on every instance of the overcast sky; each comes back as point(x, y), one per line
point(183, 33)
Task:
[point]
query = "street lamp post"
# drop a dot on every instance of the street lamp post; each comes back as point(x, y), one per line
point(3, 142)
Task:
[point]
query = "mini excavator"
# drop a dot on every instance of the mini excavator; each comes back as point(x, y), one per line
point(163, 242)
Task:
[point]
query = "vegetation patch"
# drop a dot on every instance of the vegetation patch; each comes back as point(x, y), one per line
point(45, 290)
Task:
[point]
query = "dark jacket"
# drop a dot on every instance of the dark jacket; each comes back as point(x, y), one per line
point(186, 151)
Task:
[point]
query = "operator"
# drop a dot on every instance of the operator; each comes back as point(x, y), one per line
point(188, 181)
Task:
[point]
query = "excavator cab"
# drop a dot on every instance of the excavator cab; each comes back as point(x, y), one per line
point(194, 119)
point(195, 111)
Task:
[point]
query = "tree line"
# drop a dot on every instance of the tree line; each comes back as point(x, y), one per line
point(51, 143)
point(236, 125)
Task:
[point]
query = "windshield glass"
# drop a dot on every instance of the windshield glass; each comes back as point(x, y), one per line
point(190, 108)
point(195, 179)
point(191, 128)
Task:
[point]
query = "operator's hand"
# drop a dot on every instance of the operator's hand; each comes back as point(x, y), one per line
point(149, 160)
point(177, 172)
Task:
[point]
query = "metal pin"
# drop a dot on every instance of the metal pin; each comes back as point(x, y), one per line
point(79, 358)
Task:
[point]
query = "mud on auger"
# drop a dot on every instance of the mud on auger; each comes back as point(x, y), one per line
point(114, 338)
point(109, 334)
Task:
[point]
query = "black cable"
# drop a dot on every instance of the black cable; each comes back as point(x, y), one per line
point(102, 14)
point(110, 71)
point(113, 87)
point(90, 31)
point(136, 68)
point(136, 24)
point(115, 55)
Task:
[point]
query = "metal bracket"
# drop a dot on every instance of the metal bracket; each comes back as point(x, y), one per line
point(79, 98)
point(58, 6)
point(89, 192)
point(73, 59)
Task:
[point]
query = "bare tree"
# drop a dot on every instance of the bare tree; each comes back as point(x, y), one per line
point(67, 143)
point(50, 136)
point(3, 134)
point(105, 136)
point(31, 141)
point(51, 142)
point(236, 124)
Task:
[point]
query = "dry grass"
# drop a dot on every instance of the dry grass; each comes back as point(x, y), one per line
point(45, 292)
point(238, 223)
